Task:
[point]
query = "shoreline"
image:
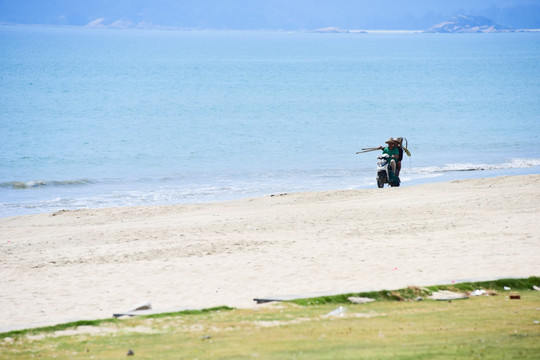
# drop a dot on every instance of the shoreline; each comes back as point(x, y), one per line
point(92, 194)
point(89, 264)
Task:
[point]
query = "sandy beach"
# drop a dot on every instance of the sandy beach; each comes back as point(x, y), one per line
point(89, 264)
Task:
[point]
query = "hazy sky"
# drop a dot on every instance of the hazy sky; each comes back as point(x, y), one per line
point(269, 14)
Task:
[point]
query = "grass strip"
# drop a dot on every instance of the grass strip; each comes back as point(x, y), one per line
point(409, 293)
point(482, 327)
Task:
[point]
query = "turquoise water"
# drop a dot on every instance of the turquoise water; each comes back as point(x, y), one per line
point(99, 118)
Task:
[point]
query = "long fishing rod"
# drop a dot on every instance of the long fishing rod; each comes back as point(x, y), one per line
point(364, 150)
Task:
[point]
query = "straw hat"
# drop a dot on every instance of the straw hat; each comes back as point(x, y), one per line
point(391, 141)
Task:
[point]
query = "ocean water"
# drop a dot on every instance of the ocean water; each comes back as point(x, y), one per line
point(99, 118)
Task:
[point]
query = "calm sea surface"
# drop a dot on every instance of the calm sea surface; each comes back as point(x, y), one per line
point(101, 118)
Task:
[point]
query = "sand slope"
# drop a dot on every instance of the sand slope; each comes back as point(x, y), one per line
point(91, 263)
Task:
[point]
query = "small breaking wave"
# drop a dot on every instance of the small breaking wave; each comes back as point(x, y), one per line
point(22, 185)
point(514, 164)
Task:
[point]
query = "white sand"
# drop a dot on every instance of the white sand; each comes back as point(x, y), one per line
point(89, 264)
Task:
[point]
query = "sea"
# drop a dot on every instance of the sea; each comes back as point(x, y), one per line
point(94, 118)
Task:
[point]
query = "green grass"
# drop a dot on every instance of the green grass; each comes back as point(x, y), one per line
point(484, 327)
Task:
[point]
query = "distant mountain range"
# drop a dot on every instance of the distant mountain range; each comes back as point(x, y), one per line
point(306, 15)
point(456, 24)
point(468, 24)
